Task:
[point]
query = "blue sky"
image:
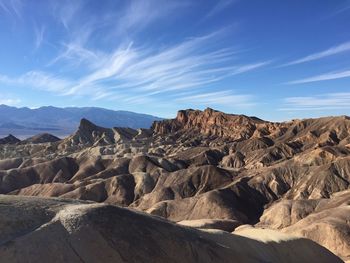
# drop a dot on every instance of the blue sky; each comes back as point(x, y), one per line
point(274, 59)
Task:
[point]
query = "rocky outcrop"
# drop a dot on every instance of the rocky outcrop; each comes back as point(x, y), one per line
point(210, 122)
point(305, 133)
point(124, 134)
point(89, 134)
point(235, 160)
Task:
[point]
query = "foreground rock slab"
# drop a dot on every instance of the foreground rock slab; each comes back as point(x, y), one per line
point(36, 229)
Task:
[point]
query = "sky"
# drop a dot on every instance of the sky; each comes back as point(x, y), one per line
point(277, 60)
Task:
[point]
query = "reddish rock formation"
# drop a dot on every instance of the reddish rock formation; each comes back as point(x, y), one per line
point(216, 123)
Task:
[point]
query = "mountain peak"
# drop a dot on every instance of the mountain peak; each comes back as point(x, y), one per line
point(85, 124)
point(10, 139)
point(41, 138)
point(88, 134)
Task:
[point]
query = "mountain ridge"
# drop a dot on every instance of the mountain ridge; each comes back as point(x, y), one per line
point(26, 122)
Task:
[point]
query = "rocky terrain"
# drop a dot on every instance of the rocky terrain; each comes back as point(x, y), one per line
point(203, 169)
point(90, 232)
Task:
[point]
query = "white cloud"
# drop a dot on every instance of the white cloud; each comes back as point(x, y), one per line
point(326, 53)
point(343, 7)
point(130, 72)
point(120, 22)
point(9, 99)
point(12, 7)
point(220, 6)
point(39, 80)
point(39, 36)
point(139, 14)
point(227, 98)
point(55, 84)
point(151, 72)
point(322, 77)
point(75, 54)
point(65, 11)
point(139, 74)
point(249, 67)
point(330, 101)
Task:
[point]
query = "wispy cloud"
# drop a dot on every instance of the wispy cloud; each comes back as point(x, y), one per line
point(121, 21)
point(330, 101)
point(139, 14)
point(55, 84)
point(227, 98)
point(65, 11)
point(39, 36)
point(12, 7)
point(131, 72)
point(148, 70)
point(183, 66)
point(39, 80)
point(220, 6)
point(326, 53)
point(144, 73)
point(250, 67)
point(74, 54)
point(343, 7)
point(322, 77)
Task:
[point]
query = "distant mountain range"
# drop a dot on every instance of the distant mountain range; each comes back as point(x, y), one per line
point(24, 122)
